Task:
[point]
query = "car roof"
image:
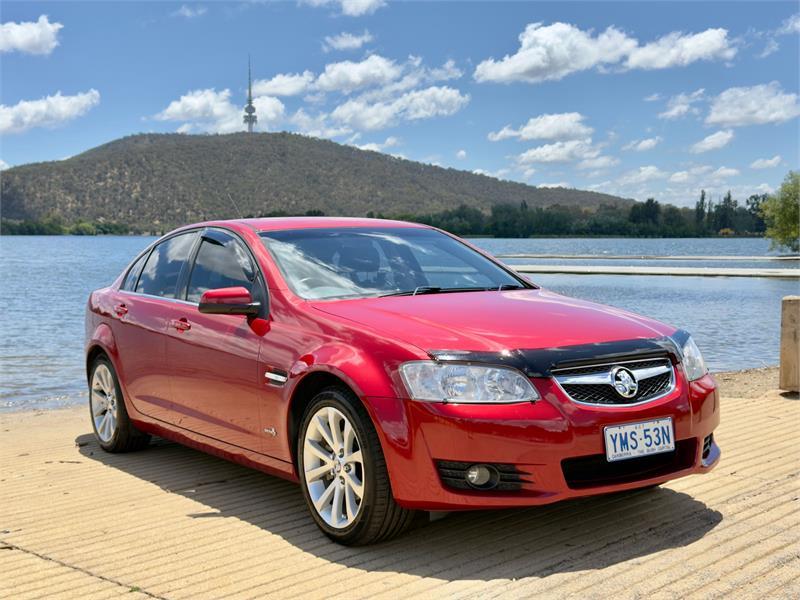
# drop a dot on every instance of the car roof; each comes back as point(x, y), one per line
point(284, 223)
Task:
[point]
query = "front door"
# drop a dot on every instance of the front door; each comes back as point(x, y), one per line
point(213, 359)
point(143, 307)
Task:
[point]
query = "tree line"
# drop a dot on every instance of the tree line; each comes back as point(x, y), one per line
point(644, 219)
point(777, 216)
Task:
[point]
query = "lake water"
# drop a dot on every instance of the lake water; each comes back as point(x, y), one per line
point(45, 281)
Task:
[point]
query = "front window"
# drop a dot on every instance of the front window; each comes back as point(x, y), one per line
point(221, 262)
point(359, 262)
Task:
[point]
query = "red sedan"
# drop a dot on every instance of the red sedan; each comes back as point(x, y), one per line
point(389, 367)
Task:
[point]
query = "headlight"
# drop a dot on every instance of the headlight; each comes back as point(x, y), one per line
point(693, 362)
point(474, 384)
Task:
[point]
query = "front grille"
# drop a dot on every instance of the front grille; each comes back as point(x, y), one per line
point(591, 384)
point(454, 475)
point(596, 471)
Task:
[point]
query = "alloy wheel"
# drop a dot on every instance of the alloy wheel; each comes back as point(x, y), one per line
point(104, 403)
point(333, 467)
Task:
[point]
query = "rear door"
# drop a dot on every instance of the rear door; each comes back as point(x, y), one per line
point(145, 304)
point(213, 359)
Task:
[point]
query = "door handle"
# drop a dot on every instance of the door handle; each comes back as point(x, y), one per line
point(121, 310)
point(181, 324)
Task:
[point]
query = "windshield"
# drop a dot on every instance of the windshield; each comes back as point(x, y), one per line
point(358, 262)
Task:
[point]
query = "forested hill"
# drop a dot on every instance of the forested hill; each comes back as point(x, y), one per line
point(154, 182)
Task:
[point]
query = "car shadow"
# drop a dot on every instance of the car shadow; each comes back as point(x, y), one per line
point(588, 533)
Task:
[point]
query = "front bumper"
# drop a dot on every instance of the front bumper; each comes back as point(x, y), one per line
point(549, 442)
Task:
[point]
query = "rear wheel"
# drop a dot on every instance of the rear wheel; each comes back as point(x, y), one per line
point(343, 472)
point(112, 426)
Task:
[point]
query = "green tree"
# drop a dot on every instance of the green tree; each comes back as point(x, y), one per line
point(700, 213)
point(782, 214)
point(754, 203)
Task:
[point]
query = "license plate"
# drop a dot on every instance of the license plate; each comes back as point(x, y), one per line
point(639, 439)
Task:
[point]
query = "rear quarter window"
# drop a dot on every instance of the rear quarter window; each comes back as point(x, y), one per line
point(131, 278)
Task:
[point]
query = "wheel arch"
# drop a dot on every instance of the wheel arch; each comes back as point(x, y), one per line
point(101, 342)
point(304, 392)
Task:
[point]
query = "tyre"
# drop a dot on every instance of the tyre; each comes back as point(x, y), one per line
point(112, 426)
point(343, 472)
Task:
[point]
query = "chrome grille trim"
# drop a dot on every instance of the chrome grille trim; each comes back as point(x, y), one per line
point(566, 377)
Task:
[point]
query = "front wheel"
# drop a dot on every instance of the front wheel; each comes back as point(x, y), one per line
point(112, 426)
point(343, 472)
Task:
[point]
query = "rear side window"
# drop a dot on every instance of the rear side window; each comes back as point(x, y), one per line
point(221, 262)
point(129, 284)
point(163, 267)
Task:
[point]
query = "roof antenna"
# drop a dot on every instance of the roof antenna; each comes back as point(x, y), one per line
point(236, 206)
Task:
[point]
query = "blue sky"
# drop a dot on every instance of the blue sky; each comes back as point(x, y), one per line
point(638, 99)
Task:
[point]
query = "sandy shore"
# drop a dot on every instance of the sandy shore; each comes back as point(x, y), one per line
point(169, 522)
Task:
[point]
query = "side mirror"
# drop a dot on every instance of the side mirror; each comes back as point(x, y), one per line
point(228, 301)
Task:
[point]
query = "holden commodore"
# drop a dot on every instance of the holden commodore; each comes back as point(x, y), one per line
point(389, 368)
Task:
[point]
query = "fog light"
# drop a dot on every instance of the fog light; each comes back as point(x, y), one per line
point(478, 475)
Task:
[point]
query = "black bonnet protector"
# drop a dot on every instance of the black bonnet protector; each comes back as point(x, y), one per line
point(541, 362)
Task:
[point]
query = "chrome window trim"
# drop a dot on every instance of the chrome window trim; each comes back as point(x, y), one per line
point(141, 295)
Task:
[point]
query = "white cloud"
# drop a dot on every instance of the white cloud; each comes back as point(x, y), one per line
point(598, 162)
point(46, 112)
point(213, 112)
point(559, 152)
point(418, 104)
point(691, 175)
point(190, 12)
point(348, 76)
point(652, 97)
point(389, 142)
point(678, 50)
point(461, 154)
point(351, 8)
point(385, 77)
point(285, 84)
point(642, 175)
point(498, 174)
point(682, 104)
point(561, 126)
point(790, 25)
point(4, 165)
point(766, 163)
point(715, 141)
point(39, 37)
point(756, 105)
point(642, 145)
point(346, 41)
point(415, 74)
point(770, 48)
point(557, 184)
point(724, 173)
point(551, 52)
point(268, 109)
point(317, 125)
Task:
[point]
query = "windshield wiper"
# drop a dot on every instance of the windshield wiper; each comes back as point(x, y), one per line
point(422, 289)
point(432, 289)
